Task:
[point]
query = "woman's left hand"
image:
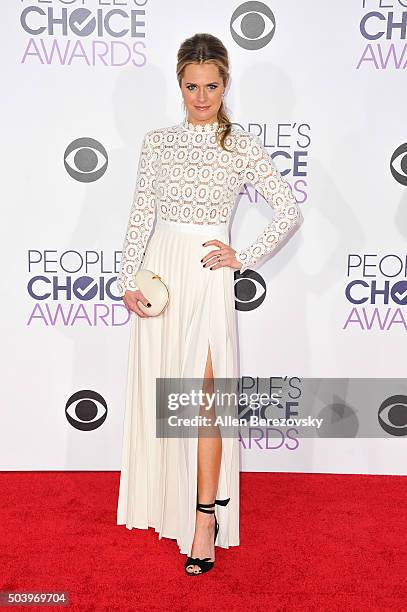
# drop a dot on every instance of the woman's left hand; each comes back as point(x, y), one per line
point(224, 255)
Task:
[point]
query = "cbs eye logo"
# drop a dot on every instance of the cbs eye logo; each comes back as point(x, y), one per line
point(250, 290)
point(86, 410)
point(85, 160)
point(398, 164)
point(255, 23)
point(392, 415)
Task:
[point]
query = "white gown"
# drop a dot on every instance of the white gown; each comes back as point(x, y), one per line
point(189, 185)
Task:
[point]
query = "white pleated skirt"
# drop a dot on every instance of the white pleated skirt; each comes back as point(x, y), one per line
point(158, 479)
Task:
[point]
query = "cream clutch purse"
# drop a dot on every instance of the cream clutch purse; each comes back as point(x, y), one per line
point(154, 289)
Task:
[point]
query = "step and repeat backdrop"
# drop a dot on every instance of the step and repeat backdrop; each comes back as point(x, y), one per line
point(324, 86)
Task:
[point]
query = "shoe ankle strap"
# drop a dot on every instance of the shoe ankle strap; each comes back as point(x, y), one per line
point(205, 507)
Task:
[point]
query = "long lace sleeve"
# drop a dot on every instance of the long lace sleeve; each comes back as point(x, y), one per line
point(140, 224)
point(262, 173)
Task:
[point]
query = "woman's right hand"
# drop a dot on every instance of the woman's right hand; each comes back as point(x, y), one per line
point(131, 298)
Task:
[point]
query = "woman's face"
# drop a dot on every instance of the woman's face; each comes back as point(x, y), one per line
point(202, 89)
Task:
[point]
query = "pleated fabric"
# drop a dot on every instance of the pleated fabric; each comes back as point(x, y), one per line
point(158, 480)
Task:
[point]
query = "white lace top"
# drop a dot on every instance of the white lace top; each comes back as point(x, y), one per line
point(185, 175)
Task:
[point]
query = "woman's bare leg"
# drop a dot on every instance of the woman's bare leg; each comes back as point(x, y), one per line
point(209, 458)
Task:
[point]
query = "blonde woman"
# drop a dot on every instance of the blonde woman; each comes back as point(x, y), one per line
point(189, 177)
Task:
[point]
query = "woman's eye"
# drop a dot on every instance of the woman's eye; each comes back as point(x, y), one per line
point(191, 87)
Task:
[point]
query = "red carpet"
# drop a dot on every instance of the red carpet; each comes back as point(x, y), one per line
point(308, 542)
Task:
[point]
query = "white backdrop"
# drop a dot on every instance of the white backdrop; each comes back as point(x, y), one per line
point(324, 85)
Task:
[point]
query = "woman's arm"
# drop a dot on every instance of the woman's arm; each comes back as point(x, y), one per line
point(262, 173)
point(140, 224)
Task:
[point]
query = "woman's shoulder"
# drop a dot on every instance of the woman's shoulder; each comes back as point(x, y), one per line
point(239, 132)
point(241, 139)
point(157, 134)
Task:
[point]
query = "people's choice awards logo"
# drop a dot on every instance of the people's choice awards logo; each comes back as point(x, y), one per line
point(252, 25)
point(73, 287)
point(376, 288)
point(101, 35)
point(384, 27)
point(85, 160)
point(398, 164)
point(86, 410)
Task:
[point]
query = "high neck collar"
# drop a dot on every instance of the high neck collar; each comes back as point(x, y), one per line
point(200, 127)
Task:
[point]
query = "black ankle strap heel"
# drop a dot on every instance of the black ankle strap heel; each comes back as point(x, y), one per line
point(206, 564)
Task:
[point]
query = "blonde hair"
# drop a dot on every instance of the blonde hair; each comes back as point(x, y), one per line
point(207, 49)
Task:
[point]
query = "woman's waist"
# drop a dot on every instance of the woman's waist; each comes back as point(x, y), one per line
point(203, 229)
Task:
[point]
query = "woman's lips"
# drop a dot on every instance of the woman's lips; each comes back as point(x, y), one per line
point(202, 107)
